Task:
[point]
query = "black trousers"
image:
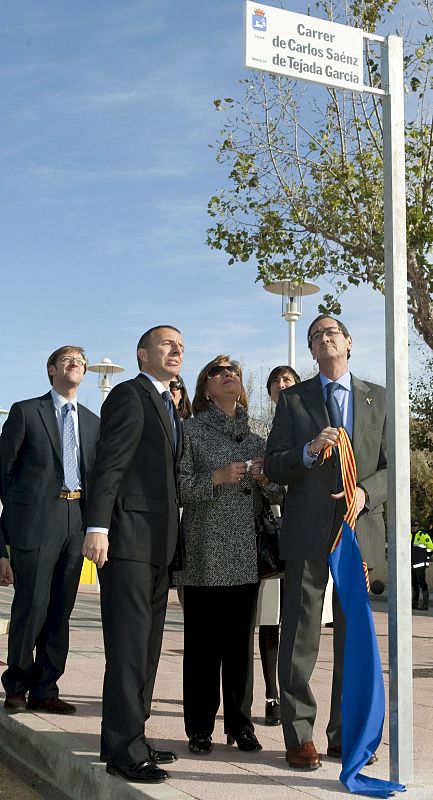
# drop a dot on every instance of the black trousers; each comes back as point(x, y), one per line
point(218, 644)
point(133, 606)
point(419, 581)
point(46, 582)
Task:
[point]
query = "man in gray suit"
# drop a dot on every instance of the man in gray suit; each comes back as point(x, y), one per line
point(47, 446)
point(307, 419)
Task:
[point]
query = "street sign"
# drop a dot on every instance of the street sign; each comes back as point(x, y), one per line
point(299, 46)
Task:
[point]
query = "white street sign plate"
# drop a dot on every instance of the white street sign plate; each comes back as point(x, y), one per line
point(299, 46)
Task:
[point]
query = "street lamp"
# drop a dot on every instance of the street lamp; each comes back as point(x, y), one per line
point(105, 370)
point(291, 305)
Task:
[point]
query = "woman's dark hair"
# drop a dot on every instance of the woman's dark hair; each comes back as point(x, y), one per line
point(200, 401)
point(184, 408)
point(276, 372)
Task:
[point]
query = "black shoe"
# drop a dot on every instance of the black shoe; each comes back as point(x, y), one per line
point(143, 772)
point(162, 756)
point(273, 712)
point(200, 743)
point(15, 703)
point(245, 740)
point(335, 752)
point(51, 705)
point(156, 756)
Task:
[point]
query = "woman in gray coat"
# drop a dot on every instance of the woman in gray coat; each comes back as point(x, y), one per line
point(221, 489)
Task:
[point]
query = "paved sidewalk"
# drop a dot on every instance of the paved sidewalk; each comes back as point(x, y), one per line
point(65, 750)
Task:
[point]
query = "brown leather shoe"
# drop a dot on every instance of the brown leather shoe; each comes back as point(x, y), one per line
point(303, 756)
point(335, 752)
point(51, 705)
point(15, 703)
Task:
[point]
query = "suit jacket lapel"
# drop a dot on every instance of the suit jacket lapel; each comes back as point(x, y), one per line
point(314, 402)
point(360, 412)
point(83, 434)
point(179, 447)
point(159, 405)
point(46, 410)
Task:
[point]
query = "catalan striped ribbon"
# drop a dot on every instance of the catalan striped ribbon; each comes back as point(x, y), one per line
point(348, 473)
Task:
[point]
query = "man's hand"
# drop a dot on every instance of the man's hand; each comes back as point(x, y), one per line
point(6, 574)
point(95, 548)
point(360, 499)
point(329, 436)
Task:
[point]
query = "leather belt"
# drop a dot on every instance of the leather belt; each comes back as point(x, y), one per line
point(64, 495)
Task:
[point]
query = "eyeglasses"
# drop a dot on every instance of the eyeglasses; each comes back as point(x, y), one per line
point(330, 332)
point(174, 386)
point(70, 359)
point(221, 369)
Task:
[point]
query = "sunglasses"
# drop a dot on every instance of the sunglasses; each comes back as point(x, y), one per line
point(220, 370)
point(175, 386)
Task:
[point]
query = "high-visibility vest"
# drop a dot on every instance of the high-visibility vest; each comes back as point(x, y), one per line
point(422, 549)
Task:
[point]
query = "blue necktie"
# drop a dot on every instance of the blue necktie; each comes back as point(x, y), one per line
point(166, 396)
point(336, 420)
point(69, 444)
point(334, 412)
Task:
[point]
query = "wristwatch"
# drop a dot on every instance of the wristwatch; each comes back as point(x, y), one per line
point(310, 453)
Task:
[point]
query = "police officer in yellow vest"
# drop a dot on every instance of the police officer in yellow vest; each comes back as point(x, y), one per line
point(422, 552)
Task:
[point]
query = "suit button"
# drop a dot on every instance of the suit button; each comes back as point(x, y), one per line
point(247, 491)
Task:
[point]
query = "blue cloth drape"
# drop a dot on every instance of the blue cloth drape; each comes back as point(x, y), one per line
point(363, 700)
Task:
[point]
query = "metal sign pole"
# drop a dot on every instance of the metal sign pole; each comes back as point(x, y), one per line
point(398, 504)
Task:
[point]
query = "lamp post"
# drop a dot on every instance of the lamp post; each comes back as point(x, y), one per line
point(291, 305)
point(105, 369)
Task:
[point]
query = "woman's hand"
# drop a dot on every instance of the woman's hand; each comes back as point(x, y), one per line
point(256, 471)
point(231, 473)
point(6, 574)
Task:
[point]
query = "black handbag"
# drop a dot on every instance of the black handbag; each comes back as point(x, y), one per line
point(268, 528)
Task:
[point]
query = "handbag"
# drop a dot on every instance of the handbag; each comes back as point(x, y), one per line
point(268, 528)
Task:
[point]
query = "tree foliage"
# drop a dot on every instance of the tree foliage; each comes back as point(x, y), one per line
point(421, 443)
point(305, 191)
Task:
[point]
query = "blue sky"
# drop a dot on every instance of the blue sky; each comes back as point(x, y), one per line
point(106, 119)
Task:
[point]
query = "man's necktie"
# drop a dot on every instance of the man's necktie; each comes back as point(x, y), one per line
point(166, 396)
point(336, 420)
point(69, 444)
point(334, 411)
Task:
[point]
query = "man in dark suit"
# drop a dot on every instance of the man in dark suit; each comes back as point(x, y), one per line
point(46, 449)
point(132, 512)
point(307, 419)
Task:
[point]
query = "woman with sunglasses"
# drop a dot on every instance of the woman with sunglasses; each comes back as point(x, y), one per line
point(221, 484)
point(180, 398)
